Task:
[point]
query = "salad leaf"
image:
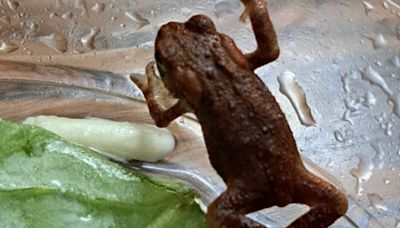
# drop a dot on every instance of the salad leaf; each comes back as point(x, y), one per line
point(46, 181)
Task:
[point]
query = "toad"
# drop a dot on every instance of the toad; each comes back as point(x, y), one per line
point(248, 139)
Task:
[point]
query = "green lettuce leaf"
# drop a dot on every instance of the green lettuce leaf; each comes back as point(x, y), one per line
point(46, 181)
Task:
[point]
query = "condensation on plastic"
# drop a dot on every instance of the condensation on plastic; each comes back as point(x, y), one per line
point(344, 54)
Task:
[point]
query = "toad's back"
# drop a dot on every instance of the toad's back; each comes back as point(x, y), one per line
point(244, 128)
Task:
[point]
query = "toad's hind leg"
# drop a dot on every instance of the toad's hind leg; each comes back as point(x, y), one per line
point(326, 202)
point(230, 208)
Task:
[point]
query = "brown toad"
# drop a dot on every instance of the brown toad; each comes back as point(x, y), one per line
point(248, 139)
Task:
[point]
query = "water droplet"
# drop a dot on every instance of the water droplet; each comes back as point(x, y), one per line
point(22, 24)
point(373, 77)
point(368, 7)
point(32, 26)
point(378, 63)
point(339, 136)
point(67, 15)
point(56, 183)
point(55, 42)
point(385, 5)
point(395, 61)
point(81, 4)
point(381, 117)
point(87, 218)
point(88, 40)
point(347, 117)
point(7, 47)
point(295, 93)
point(346, 80)
point(353, 105)
point(99, 7)
point(13, 5)
point(378, 41)
point(378, 159)
point(387, 127)
point(53, 15)
point(137, 18)
point(369, 100)
point(363, 172)
point(376, 201)
point(395, 98)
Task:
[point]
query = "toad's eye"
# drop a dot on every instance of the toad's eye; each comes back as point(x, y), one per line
point(169, 51)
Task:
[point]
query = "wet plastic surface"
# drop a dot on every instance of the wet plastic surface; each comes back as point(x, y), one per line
point(345, 55)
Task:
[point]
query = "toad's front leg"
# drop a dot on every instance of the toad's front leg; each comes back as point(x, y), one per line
point(267, 41)
point(161, 116)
